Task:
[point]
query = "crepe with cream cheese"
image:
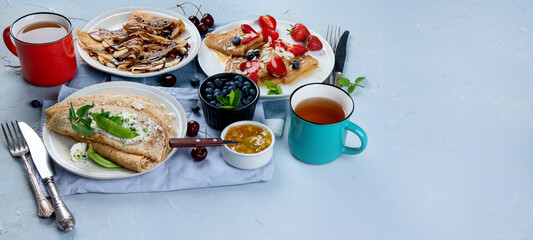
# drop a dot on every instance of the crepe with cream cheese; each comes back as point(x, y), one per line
point(149, 119)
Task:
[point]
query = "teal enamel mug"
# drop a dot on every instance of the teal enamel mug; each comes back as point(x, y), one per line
point(319, 123)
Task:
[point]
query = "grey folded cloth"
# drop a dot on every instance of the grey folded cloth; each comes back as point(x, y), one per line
point(178, 172)
point(275, 114)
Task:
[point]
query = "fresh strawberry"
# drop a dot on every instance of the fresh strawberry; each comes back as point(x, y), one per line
point(277, 43)
point(250, 38)
point(247, 29)
point(297, 49)
point(276, 67)
point(269, 34)
point(268, 22)
point(313, 43)
point(250, 66)
point(253, 76)
point(299, 32)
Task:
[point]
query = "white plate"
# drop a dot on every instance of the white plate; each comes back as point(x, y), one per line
point(58, 146)
point(114, 20)
point(326, 57)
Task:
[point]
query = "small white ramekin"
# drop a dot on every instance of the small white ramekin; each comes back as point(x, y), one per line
point(247, 161)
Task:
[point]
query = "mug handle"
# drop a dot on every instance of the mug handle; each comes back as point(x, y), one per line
point(352, 127)
point(8, 42)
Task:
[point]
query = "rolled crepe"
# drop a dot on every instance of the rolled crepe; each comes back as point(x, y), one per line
point(139, 154)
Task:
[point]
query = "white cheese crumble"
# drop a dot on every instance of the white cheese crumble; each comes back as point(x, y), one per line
point(137, 105)
point(78, 152)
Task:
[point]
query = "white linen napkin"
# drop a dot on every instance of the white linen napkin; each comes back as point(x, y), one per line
point(178, 172)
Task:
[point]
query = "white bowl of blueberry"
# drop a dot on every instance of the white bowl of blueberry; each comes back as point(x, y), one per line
point(227, 98)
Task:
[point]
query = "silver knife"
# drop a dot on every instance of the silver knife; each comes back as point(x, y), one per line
point(340, 57)
point(64, 218)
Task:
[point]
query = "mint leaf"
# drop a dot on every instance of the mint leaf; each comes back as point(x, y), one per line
point(232, 101)
point(223, 100)
point(359, 80)
point(274, 88)
point(236, 97)
point(351, 88)
point(270, 85)
point(344, 82)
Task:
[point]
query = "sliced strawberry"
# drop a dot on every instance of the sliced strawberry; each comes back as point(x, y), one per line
point(247, 29)
point(253, 76)
point(269, 34)
point(313, 43)
point(250, 66)
point(280, 44)
point(276, 67)
point(297, 49)
point(299, 32)
point(250, 38)
point(268, 22)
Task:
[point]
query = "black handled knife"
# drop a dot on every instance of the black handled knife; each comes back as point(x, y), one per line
point(340, 57)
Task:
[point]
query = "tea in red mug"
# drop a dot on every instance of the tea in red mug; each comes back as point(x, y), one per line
point(44, 45)
point(42, 32)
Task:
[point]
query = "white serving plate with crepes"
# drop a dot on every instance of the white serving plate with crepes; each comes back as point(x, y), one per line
point(58, 145)
point(326, 58)
point(114, 20)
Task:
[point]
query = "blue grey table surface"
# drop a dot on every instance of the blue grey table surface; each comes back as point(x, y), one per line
point(448, 108)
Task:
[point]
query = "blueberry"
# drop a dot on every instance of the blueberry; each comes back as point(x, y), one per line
point(225, 92)
point(231, 88)
point(218, 82)
point(35, 103)
point(238, 85)
point(217, 94)
point(214, 103)
point(195, 82)
point(245, 102)
point(236, 41)
point(238, 79)
point(295, 64)
point(252, 92)
point(210, 84)
point(195, 109)
point(250, 55)
point(247, 84)
point(250, 99)
point(229, 83)
point(208, 90)
point(209, 97)
point(217, 90)
point(226, 95)
point(256, 53)
point(245, 90)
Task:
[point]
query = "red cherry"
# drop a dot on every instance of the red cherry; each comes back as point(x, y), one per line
point(208, 20)
point(202, 28)
point(194, 20)
point(167, 80)
point(192, 128)
point(199, 153)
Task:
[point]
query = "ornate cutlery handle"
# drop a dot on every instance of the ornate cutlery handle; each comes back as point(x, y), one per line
point(44, 208)
point(336, 77)
point(64, 218)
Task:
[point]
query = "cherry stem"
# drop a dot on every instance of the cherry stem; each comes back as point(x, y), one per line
point(206, 134)
point(197, 8)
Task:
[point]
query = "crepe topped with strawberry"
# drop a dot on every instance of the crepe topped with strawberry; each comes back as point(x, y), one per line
point(263, 55)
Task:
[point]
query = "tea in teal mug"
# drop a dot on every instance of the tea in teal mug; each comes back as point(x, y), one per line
point(319, 122)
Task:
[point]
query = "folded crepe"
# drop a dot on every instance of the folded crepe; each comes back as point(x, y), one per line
point(149, 119)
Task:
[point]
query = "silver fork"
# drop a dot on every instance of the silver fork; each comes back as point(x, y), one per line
point(19, 148)
point(333, 34)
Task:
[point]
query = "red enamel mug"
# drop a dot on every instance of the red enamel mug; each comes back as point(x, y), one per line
point(46, 59)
